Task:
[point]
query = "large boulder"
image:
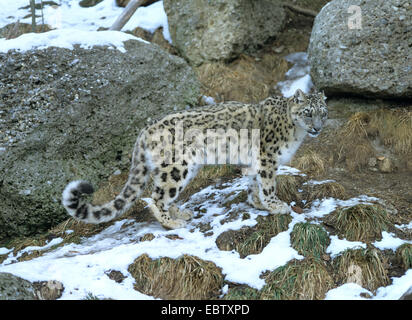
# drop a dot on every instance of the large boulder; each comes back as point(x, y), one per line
point(365, 52)
point(15, 288)
point(204, 30)
point(75, 114)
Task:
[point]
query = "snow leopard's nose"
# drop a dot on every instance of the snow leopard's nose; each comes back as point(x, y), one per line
point(317, 125)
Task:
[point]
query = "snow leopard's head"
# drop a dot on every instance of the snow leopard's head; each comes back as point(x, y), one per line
point(308, 111)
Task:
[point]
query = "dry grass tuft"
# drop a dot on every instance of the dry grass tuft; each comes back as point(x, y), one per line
point(311, 162)
point(287, 188)
point(404, 253)
point(363, 266)
point(186, 277)
point(252, 240)
point(392, 127)
point(246, 79)
point(307, 279)
point(359, 223)
point(80, 230)
point(357, 157)
point(309, 239)
point(22, 243)
point(357, 125)
point(147, 237)
point(325, 190)
point(395, 129)
point(353, 143)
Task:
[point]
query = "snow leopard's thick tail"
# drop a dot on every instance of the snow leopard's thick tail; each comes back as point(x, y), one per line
point(75, 204)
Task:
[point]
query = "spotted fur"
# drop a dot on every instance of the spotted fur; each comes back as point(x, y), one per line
point(283, 123)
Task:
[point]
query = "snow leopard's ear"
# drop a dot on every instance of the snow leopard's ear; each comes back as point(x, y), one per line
point(322, 94)
point(299, 96)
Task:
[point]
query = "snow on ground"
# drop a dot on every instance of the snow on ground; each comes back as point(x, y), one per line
point(389, 241)
point(71, 15)
point(352, 291)
point(77, 25)
point(404, 226)
point(66, 38)
point(347, 291)
point(4, 250)
point(285, 170)
point(81, 267)
point(337, 245)
point(298, 76)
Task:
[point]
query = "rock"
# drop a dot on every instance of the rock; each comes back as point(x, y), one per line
point(48, 290)
point(385, 165)
point(122, 3)
point(314, 5)
point(89, 3)
point(75, 114)
point(409, 163)
point(147, 237)
point(363, 54)
point(15, 288)
point(205, 30)
point(14, 30)
point(407, 295)
point(116, 275)
point(279, 49)
point(155, 37)
point(297, 209)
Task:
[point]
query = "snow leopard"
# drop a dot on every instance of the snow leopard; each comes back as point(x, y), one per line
point(165, 155)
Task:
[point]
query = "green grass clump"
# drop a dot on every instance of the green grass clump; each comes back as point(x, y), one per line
point(309, 239)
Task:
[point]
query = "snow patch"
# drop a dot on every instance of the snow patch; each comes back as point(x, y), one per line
point(389, 241)
point(337, 245)
point(347, 291)
point(70, 15)
point(67, 38)
point(5, 251)
point(298, 76)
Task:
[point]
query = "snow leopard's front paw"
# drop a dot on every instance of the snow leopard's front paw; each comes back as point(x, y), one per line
point(279, 207)
point(184, 214)
point(174, 224)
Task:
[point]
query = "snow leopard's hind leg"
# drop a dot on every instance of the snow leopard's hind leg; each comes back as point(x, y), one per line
point(168, 182)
